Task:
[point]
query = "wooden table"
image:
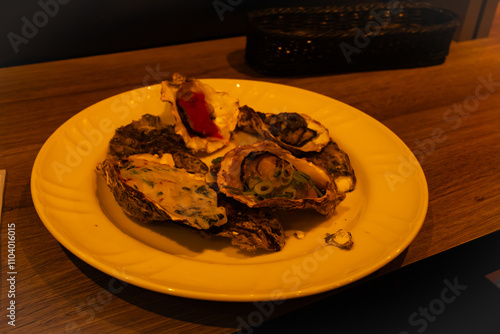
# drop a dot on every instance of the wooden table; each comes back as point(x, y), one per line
point(55, 292)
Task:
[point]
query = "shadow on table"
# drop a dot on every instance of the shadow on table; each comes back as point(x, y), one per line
point(237, 61)
point(235, 315)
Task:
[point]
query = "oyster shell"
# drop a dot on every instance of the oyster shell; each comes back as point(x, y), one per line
point(265, 175)
point(336, 163)
point(297, 133)
point(204, 117)
point(151, 140)
point(249, 229)
point(150, 135)
point(148, 190)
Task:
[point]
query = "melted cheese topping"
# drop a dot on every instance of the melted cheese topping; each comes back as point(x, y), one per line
point(165, 159)
point(184, 196)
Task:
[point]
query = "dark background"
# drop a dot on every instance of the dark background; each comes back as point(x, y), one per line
point(77, 28)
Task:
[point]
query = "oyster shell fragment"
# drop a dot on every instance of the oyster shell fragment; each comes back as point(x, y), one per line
point(265, 175)
point(341, 239)
point(205, 118)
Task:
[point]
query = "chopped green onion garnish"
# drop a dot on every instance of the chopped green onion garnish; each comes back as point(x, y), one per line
point(277, 173)
point(251, 184)
point(248, 193)
point(301, 177)
point(234, 190)
point(289, 193)
point(286, 180)
point(149, 183)
point(217, 160)
point(318, 192)
point(263, 188)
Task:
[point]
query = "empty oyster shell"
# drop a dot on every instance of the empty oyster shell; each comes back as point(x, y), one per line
point(204, 117)
point(265, 175)
point(297, 133)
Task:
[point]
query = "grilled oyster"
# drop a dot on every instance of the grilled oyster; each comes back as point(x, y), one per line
point(204, 117)
point(148, 190)
point(249, 228)
point(297, 133)
point(151, 140)
point(150, 135)
point(305, 138)
point(265, 175)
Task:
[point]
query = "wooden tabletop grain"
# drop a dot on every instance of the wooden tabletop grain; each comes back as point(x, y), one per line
point(448, 115)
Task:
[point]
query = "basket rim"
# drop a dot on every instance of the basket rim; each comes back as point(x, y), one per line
point(451, 23)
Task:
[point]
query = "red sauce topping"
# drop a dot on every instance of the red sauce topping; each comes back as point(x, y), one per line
point(196, 110)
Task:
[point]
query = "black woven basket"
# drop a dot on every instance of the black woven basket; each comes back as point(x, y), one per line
point(375, 36)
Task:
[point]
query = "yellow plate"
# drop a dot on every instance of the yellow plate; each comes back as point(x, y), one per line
point(384, 213)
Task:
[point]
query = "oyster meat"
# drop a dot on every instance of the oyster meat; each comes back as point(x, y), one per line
point(265, 175)
point(149, 190)
point(294, 132)
point(205, 118)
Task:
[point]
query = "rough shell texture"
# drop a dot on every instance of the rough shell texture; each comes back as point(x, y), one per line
point(149, 135)
point(149, 200)
point(229, 179)
point(249, 229)
point(294, 132)
point(322, 150)
point(223, 110)
point(336, 163)
point(132, 201)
